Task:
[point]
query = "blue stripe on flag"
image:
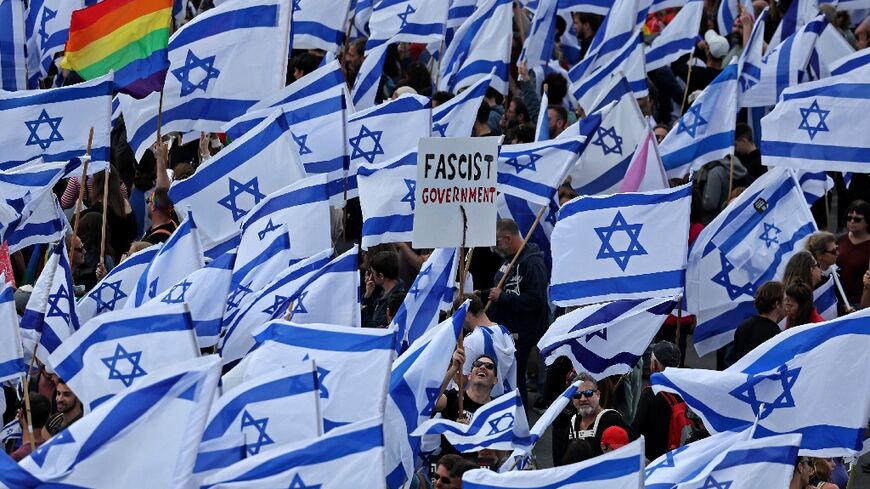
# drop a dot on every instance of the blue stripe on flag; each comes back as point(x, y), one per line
point(322, 340)
point(242, 18)
point(815, 152)
point(625, 200)
point(625, 285)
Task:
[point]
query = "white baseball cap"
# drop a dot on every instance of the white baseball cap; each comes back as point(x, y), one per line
point(718, 45)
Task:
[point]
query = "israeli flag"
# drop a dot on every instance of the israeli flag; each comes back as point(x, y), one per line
point(597, 7)
point(628, 60)
point(362, 12)
point(255, 274)
point(416, 21)
point(31, 213)
point(859, 59)
point(46, 31)
point(777, 384)
point(678, 37)
point(353, 365)
point(825, 298)
point(255, 409)
point(46, 223)
point(542, 125)
point(331, 295)
point(499, 424)
point(12, 364)
point(646, 170)
point(538, 47)
point(173, 401)
point(54, 124)
point(207, 84)
point(619, 469)
point(497, 343)
point(534, 171)
point(831, 47)
point(13, 63)
point(111, 351)
point(415, 382)
point(50, 316)
point(351, 453)
point(705, 132)
point(825, 109)
point(606, 339)
point(455, 118)
point(12, 430)
point(459, 12)
point(115, 289)
point(687, 461)
point(525, 213)
point(729, 12)
point(744, 246)
point(368, 80)
point(481, 45)
point(431, 293)
point(257, 307)
point(799, 13)
point(815, 184)
point(319, 24)
point(228, 185)
point(638, 240)
point(387, 200)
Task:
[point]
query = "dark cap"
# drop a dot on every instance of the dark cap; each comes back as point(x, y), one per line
point(667, 353)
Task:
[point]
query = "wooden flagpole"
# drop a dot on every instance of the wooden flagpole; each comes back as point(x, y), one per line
point(25, 382)
point(82, 184)
point(688, 79)
point(461, 340)
point(105, 216)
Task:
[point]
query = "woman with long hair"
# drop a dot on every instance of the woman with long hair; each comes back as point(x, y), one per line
point(798, 304)
point(120, 222)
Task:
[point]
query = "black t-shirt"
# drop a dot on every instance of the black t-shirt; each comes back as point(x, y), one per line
point(751, 333)
point(451, 412)
point(159, 234)
point(653, 420)
point(609, 418)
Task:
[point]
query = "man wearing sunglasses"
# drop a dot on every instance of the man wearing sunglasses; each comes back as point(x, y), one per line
point(591, 419)
point(478, 391)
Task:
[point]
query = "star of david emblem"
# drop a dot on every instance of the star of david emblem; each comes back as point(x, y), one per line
point(321, 376)
point(34, 125)
point(183, 74)
point(301, 141)
point(820, 125)
point(601, 333)
point(298, 307)
point(632, 231)
point(298, 483)
point(697, 121)
point(415, 289)
point(722, 278)
point(783, 380)
point(404, 16)
point(236, 296)
point(252, 188)
point(667, 462)
point(519, 167)
point(617, 140)
point(108, 305)
point(766, 236)
point(133, 359)
point(54, 309)
point(47, 15)
point(711, 483)
point(296, 6)
point(266, 230)
point(441, 129)
point(410, 197)
point(260, 426)
point(357, 150)
point(279, 304)
point(431, 399)
point(501, 424)
point(62, 438)
point(176, 293)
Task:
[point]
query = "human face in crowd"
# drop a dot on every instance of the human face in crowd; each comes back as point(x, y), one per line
point(828, 257)
point(586, 400)
point(504, 244)
point(805, 470)
point(790, 306)
point(816, 274)
point(65, 399)
point(78, 251)
point(856, 223)
point(352, 59)
point(483, 372)
point(660, 133)
point(442, 478)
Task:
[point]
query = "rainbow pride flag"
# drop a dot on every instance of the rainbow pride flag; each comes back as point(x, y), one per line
point(128, 37)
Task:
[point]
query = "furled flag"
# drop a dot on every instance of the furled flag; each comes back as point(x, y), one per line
point(745, 246)
point(353, 365)
point(689, 460)
point(45, 224)
point(729, 13)
point(415, 383)
point(813, 126)
point(352, 455)
point(260, 269)
point(481, 44)
point(54, 124)
point(50, 316)
point(258, 409)
point(825, 298)
point(318, 24)
point(496, 343)
point(638, 241)
point(229, 185)
point(620, 469)
point(115, 289)
point(542, 126)
point(179, 256)
point(431, 293)
point(777, 383)
point(605, 339)
point(11, 431)
point(128, 37)
point(111, 351)
point(540, 41)
point(646, 171)
point(816, 184)
point(173, 401)
point(13, 63)
point(678, 37)
point(534, 171)
point(331, 295)
point(705, 132)
point(31, 214)
point(11, 353)
point(525, 213)
point(499, 424)
point(46, 30)
point(207, 84)
point(455, 118)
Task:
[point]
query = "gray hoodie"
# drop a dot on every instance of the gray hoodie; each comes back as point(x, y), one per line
point(714, 180)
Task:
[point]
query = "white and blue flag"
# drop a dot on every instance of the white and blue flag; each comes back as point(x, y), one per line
point(815, 184)
point(319, 24)
point(605, 339)
point(111, 351)
point(13, 63)
point(331, 295)
point(825, 298)
point(45, 223)
point(116, 288)
point(534, 171)
point(541, 39)
point(705, 132)
point(46, 30)
point(777, 384)
point(689, 460)
point(54, 124)
point(525, 213)
point(229, 185)
point(542, 125)
point(254, 274)
point(31, 213)
point(415, 21)
point(798, 14)
point(745, 246)
point(630, 245)
point(11, 351)
point(481, 45)
point(207, 84)
point(859, 59)
point(677, 38)
point(455, 118)
point(457, 14)
point(729, 12)
point(352, 453)
point(497, 343)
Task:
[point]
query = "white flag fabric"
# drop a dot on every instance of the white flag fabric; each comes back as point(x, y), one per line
point(729, 12)
point(45, 224)
point(116, 288)
point(689, 460)
point(645, 171)
point(252, 276)
point(677, 38)
point(629, 60)
point(47, 30)
point(825, 298)
point(113, 350)
point(534, 171)
point(745, 246)
point(538, 47)
point(29, 211)
point(415, 21)
point(858, 59)
point(13, 62)
point(331, 295)
point(638, 241)
point(319, 24)
point(455, 118)
point(11, 352)
point(496, 343)
point(481, 44)
point(798, 14)
point(777, 383)
point(605, 339)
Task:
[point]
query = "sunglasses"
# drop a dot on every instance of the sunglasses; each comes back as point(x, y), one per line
point(582, 394)
point(486, 365)
point(855, 219)
point(834, 251)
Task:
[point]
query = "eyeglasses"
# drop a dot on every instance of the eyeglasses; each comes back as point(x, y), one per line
point(80, 249)
point(834, 251)
point(486, 365)
point(443, 479)
point(586, 393)
point(855, 219)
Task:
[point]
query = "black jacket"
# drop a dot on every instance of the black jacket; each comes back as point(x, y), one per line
point(522, 307)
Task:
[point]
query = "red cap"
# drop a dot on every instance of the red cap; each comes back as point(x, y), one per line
point(614, 437)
